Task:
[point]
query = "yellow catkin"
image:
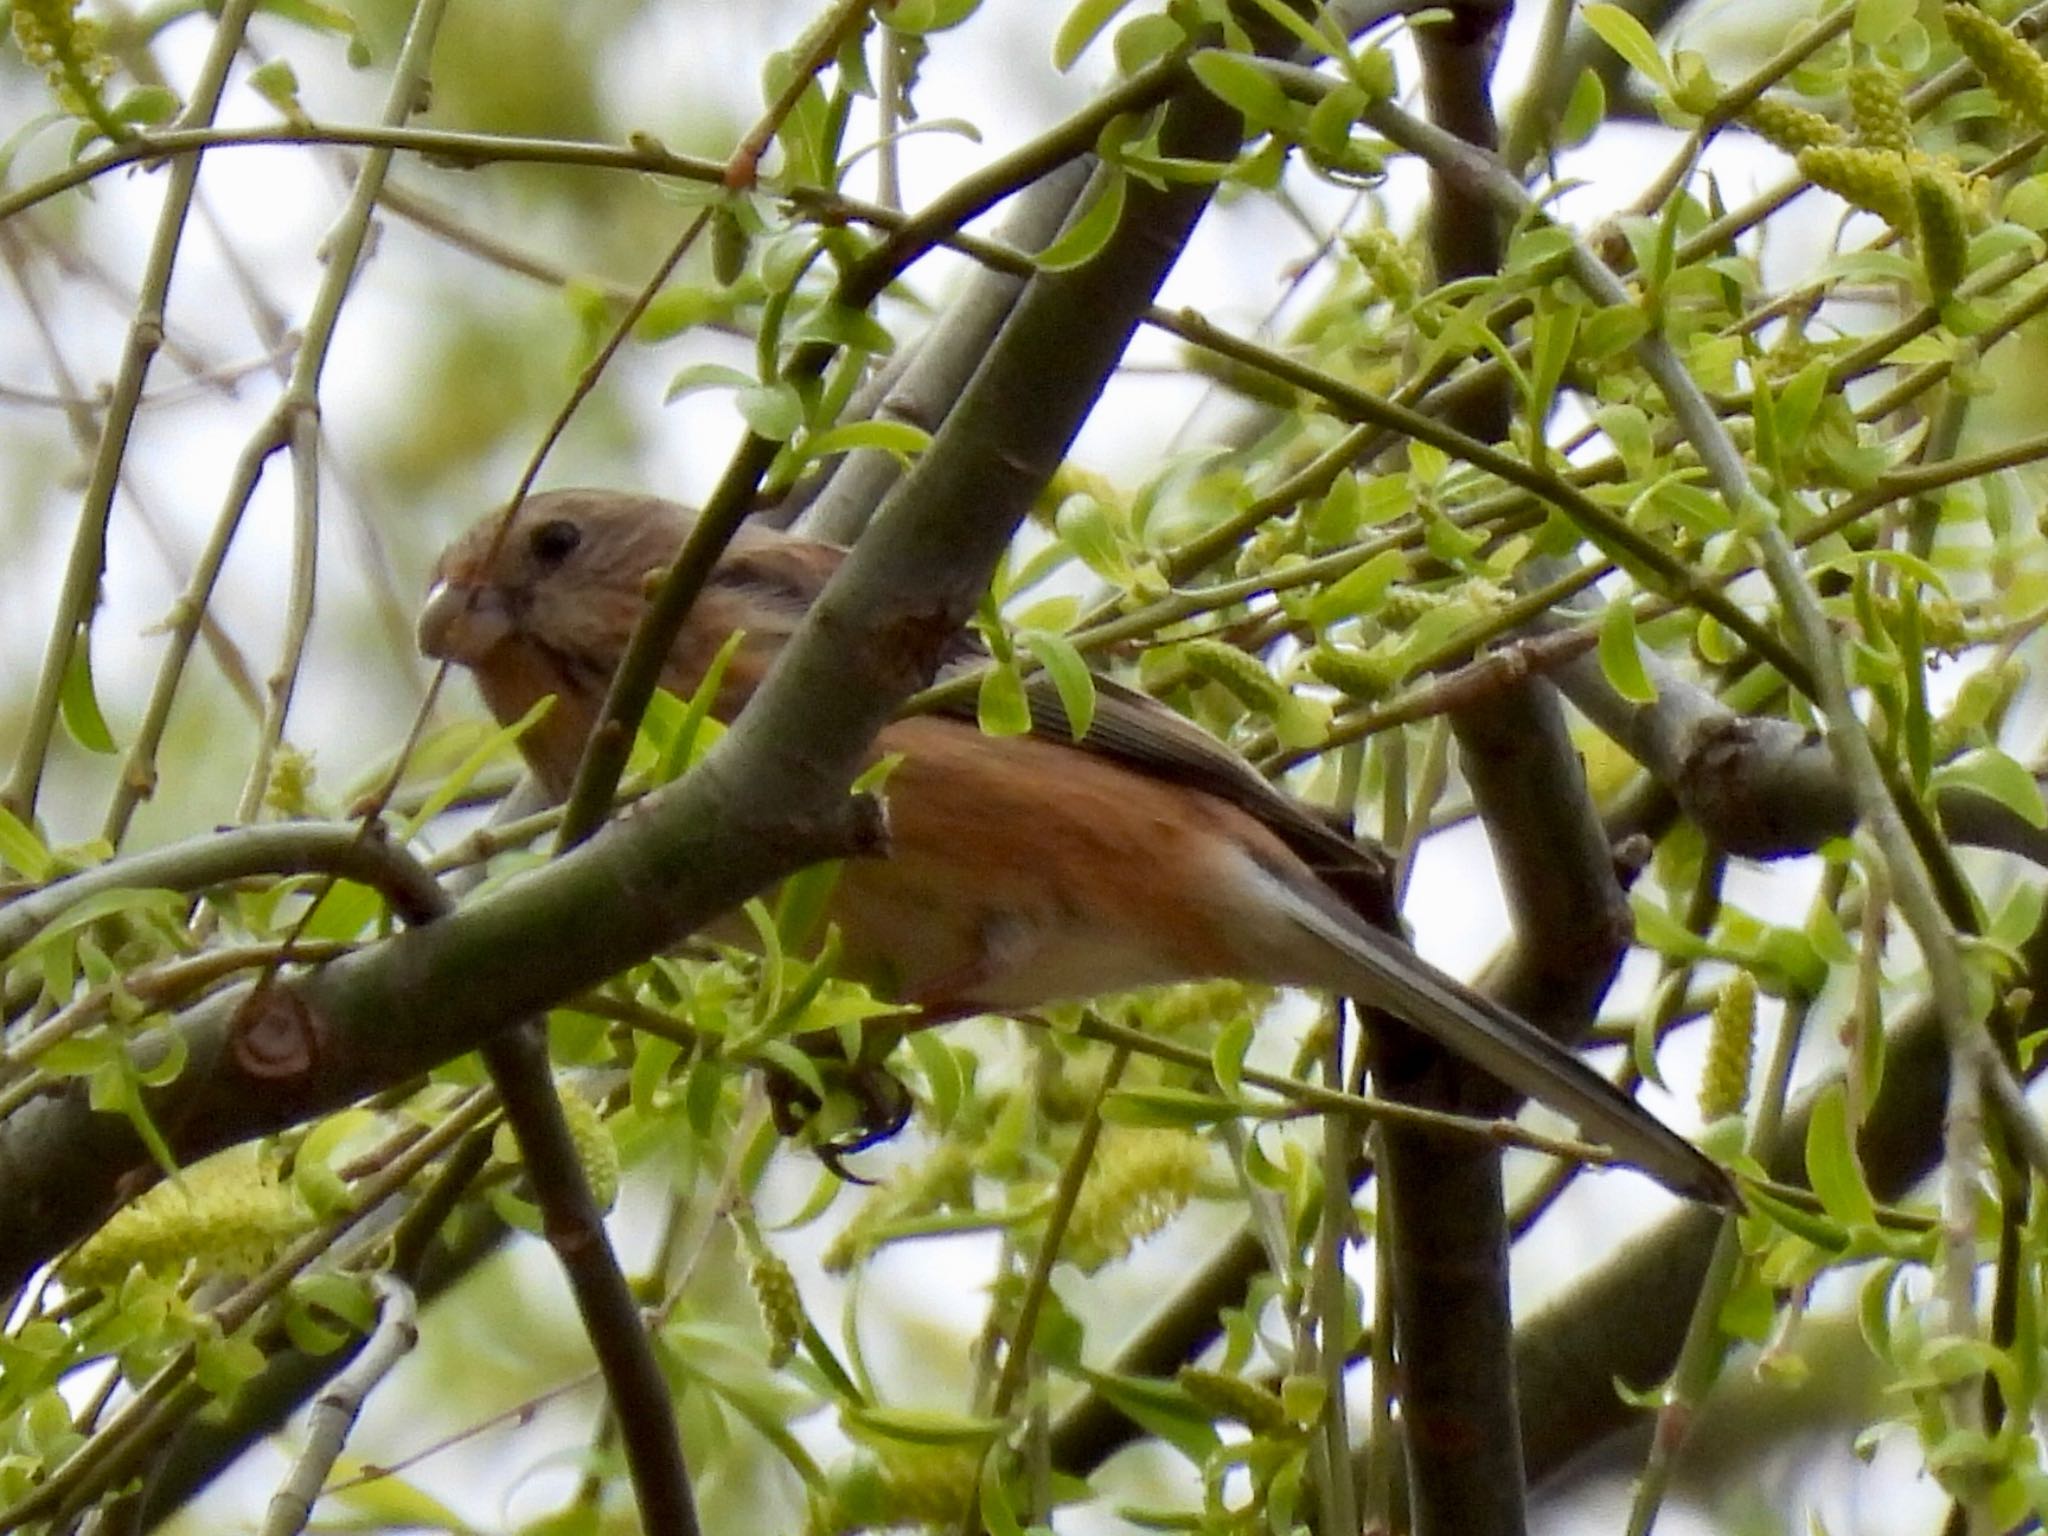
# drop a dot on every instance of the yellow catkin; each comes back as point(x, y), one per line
point(1872, 179)
point(1731, 1045)
point(2016, 74)
point(226, 1216)
point(1788, 127)
point(1878, 109)
point(1142, 1178)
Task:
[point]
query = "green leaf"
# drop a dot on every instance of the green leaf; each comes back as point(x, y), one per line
point(1086, 235)
point(1226, 1056)
point(1621, 655)
point(707, 376)
point(919, 1426)
point(1240, 82)
point(1173, 1108)
point(1070, 676)
point(1878, 20)
point(1086, 528)
point(773, 411)
point(844, 326)
point(1082, 25)
point(944, 1081)
point(1584, 111)
point(1161, 1408)
point(897, 438)
point(151, 105)
point(1831, 1164)
point(1997, 776)
point(1360, 590)
point(77, 701)
point(277, 83)
point(1631, 39)
point(22, 850)
point(345, 912)
point(1002, 707)
point(459, 777)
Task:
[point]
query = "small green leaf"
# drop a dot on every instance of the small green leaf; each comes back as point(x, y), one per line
point(78, 703)
point(1070, 676)
point(277, 83)
point(22, 850)
point(1358, 591)
point(1086, 528)
point(1240, 82)
point(1631, 39)
point(707, 376)
point(919, 1426)
point(1002, 707)
point(773, 411)
point(1086, 235)
point(1173, 1108)
point(1997, 776)
point(1584, 111)
point(1621, 655)
point(151, 105)
point(897, 438)
point(1831, 1164)
point(844, 326)
point(1083, 24)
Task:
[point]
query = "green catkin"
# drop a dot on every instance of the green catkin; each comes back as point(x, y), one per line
point(1731, 1047)
point(2016, 74)
point(1944, 228)
point(1359, 674)
point(596, 1152)
point(226, 1216)
point(1872, 179)
point(1244, 676)
point(1878, 110)
point(1780, 123)
point(782, 1309)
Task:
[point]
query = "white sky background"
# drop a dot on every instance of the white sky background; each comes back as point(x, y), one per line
point(354, 696)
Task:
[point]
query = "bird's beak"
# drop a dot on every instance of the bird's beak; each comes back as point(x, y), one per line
point(463, 622)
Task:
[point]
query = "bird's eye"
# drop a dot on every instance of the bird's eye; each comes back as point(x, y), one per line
point(553, 540)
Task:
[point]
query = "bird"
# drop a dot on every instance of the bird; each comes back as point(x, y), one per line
point(1020, 870)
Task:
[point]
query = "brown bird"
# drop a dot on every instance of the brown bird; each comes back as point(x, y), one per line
point(1021, 869)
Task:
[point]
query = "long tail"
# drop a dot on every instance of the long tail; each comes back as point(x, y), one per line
point(1382, 971)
